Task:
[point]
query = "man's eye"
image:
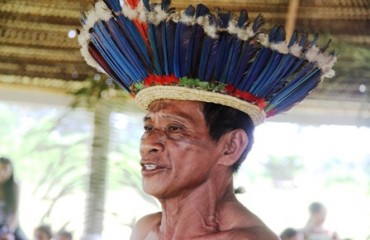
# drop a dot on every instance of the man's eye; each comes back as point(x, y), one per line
point(174, 128)
point(148, 128)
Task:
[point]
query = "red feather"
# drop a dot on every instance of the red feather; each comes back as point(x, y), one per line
point(133, 3)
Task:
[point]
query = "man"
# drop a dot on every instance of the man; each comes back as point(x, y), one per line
point(190, 170)
point(206, 80)
point(314, 228)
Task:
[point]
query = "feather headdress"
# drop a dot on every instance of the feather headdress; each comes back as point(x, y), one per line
point(156, 52)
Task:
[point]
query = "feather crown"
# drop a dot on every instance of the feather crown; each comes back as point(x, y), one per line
point(156, 52)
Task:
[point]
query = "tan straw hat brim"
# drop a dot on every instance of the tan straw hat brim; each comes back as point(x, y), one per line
point(150, 94)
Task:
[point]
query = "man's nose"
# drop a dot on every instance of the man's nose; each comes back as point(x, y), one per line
point(152, 142)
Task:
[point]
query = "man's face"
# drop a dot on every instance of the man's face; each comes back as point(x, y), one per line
point(177, 152)
point(5, 172)
point(40, 235)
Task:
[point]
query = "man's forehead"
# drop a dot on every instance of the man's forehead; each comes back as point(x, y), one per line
point(164, 104)
point(175, 108)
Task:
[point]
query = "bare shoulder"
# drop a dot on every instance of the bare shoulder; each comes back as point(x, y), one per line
point(145, 225)
point(240, 223)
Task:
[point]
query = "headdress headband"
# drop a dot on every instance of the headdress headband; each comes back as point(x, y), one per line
point(156, 52)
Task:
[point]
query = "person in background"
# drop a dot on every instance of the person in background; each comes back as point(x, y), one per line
point(314, 229)
point(9, 198)
point(290, 234)
point(43, 232)
point(63, 235)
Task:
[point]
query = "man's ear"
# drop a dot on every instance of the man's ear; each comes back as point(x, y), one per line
point(234, 143)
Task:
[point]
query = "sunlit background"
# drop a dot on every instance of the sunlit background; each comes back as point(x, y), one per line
point(289, 167)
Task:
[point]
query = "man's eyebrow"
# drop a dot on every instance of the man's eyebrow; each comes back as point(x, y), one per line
point(178, 116)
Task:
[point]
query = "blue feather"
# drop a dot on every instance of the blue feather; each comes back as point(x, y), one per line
point(182, 35)
point(121, 63)
point(294, 84)
point(114, 5)
point(94, 52)
point(195, 42)
point(255, 69)
point(232, 59)
point(135, 39)
point(258, 23)
point(224, 44)
point(146, 4)
point(296, 93)
point(248, 52)
point(118, 75)
point(165, 4)
point(168, 34)
point(243, 18)
point(154, 49)
point(236, 54)
point(208, 53)
point(158, 37)
point(259, 86)
point(208, 56)
point(277, 78)
point(123, 44)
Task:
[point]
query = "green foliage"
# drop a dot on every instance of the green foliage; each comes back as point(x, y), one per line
point(285, 168)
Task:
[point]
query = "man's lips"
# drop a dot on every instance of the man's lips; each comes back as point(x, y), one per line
point(149, 166)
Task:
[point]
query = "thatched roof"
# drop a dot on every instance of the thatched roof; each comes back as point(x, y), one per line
point(35, 49)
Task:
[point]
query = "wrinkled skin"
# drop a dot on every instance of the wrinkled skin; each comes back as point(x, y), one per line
point(190, 174)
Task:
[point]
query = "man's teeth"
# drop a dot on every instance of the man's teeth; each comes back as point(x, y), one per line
point(150, 166)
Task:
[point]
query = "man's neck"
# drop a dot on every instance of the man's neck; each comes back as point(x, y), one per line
point(198, 213)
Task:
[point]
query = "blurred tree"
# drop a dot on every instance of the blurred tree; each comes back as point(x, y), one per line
point(283, 170)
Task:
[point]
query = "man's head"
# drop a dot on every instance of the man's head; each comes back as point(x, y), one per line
point(43, 232)
point(290, 234)
point(317, 212)
point(185, 143)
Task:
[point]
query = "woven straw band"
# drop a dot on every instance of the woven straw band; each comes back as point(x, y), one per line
point(150, 94)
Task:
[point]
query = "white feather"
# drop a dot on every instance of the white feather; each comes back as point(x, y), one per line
point(201, 20)
point(325, 63)
point(329, 73)
point(157, 16)
point(187, 19)
point(142, 12)
point(232, 28)
point(89, 59)
point(91, 19)
point(210, 30)
point(246, 34)
point(296, 50)
point(281, 47)
point(128, 12)
point(102, 11)
point(99, 12)
point(312, 54)
point(263, 39)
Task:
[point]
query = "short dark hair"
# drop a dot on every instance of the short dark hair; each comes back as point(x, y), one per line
point(316, 207)
point(222, 119)
point(45, 229)
point(288, 233)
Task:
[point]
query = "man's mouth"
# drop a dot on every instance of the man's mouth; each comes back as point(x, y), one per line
point(150, 167)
